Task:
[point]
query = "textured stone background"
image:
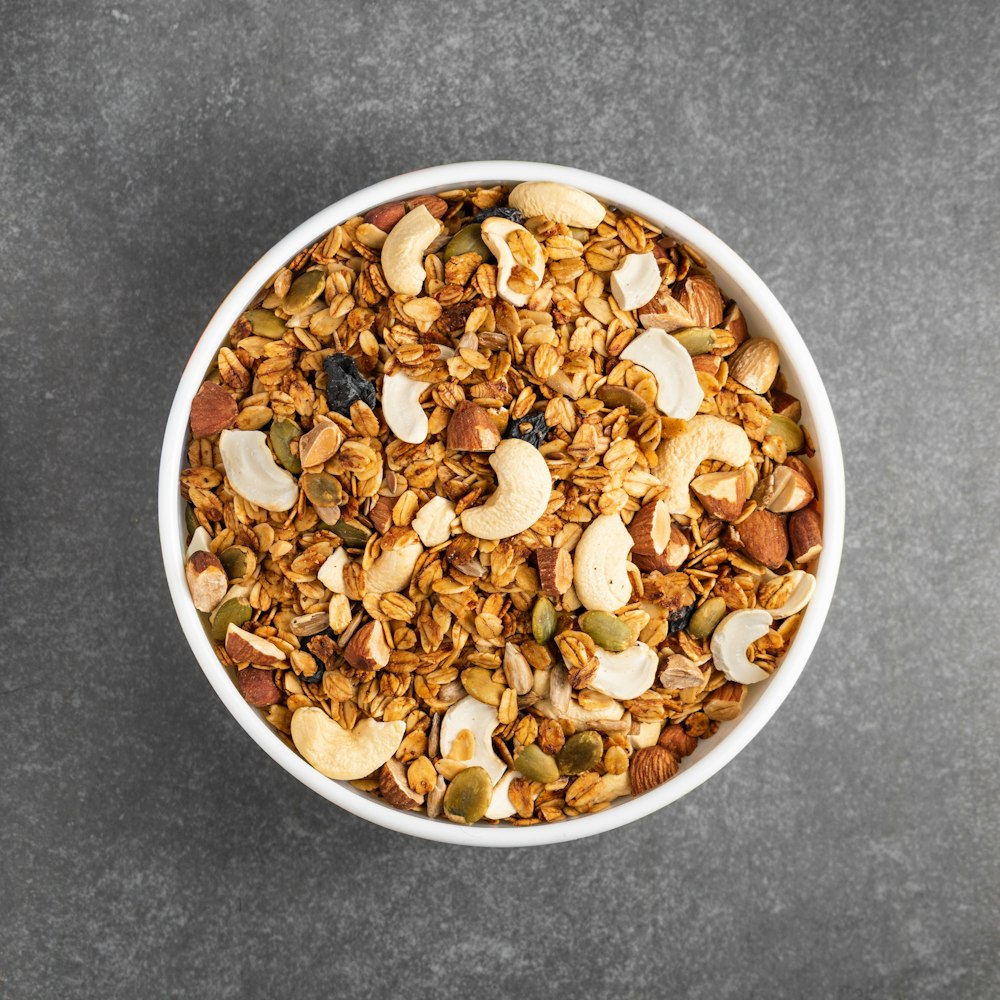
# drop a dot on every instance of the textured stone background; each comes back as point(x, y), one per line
point(150, 151)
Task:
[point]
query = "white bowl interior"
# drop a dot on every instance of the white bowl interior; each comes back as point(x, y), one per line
point(765, 317)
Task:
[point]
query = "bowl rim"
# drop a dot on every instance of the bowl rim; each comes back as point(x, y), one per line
point(725, 263)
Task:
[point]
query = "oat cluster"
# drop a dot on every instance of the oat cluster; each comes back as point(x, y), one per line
point(496, 507)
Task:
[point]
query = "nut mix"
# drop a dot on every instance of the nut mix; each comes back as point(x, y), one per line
point(496, 506)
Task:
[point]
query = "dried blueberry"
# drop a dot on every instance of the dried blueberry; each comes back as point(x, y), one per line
point(679, 619)
point(504, 212)
point(531, 428)
point(345, 385)
point(316, 677)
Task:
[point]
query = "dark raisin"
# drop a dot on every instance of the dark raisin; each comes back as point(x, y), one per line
point(316, 677)
point(531, 428)
point(345, 385)
point(679, 619)
point(504, 212)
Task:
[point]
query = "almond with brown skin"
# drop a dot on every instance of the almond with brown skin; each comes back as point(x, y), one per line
point(206, 579)
point(367, 650)
point(708, 363)
point(678, 741)
point(806, 532)
point(797, 465)
point(792, 491)
point(664, 312)
point(385, 216)
point(734, 322)
point(651, 766)
point(763, 536)
point(555, 570)
point(321, 443)
point(245, 647)
point(725, 702)
point(755, 364)
point(650, 529)
point(472, 429)
point(258, 687)
point(395, 788)
point(435, 205)
point(699, 295)
point(722, 494)
point(212, 410)
point(381, 514)
point(786, 405)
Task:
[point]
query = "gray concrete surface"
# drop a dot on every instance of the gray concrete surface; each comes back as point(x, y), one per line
point(150, 151)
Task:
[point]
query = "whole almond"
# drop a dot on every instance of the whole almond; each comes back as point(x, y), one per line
point(755, 364)
point(385, 216)
point(258, 687)
point(699, 295)
point(678, 740)
point(806, 533)
point(436, 206)
point(651, 766)
point(212, 410)
point(764, 537)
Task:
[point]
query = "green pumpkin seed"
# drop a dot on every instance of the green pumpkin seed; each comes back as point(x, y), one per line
point(190, 520)
point(696, 339)
point(322, 489)
point(468, 240)
point(305, 290)
point(788, 430)
point(536, 765)
point(468, 796)
point(706, 617)
point(266, 324)
point(238, 560)
point(283, 432)
point(606, 630)
point(580, 753)
point(236, 610)
point(351, 534)
point(544, 620)
point(479, 682)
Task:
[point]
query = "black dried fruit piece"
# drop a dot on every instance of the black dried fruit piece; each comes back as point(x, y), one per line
point(504, 212)
point(679, 619)
point(345, 385)
point(316, 677)
point(531, 428)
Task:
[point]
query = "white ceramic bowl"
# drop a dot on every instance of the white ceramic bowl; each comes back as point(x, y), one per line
point(765, 317)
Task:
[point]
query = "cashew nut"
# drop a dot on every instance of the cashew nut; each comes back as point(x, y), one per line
point(730, 640)
point(331, 573)
point(500, 805)
point(496, 232)
point(600, 564)
point(404, 248)
point(575, 712)
point(678, 391)
point(635, 281)
point(433, 521)
point(706, 436)
point(391, 572)
point(789, 593)
point(522, 494)
point(401, 407)
point(645, 735)
point(558, 202)
point(252, 472)
point(626, 674)
point(345, 754)
point(480, 719)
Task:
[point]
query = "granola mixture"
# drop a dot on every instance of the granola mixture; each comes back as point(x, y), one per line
point(496, 507)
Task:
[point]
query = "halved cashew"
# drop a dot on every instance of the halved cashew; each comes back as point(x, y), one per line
point(527, 254)
point(200, 542)
point(730, 640)
point(401, 407)
point(600, 564)
point(784, 596)
point(331, 573)
point(678, 391)
point(404, 248)
point(626, 674)
point(480, 719)
point(613, 786)
point(635, 281)
point(522, 494)
point(645, 735)
point(575, 712)
point(252, 472)
point(391, 572)
point(500, 805)
point(344, 754)
point(433, 521)
point(558, 202)
point(706, 436)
